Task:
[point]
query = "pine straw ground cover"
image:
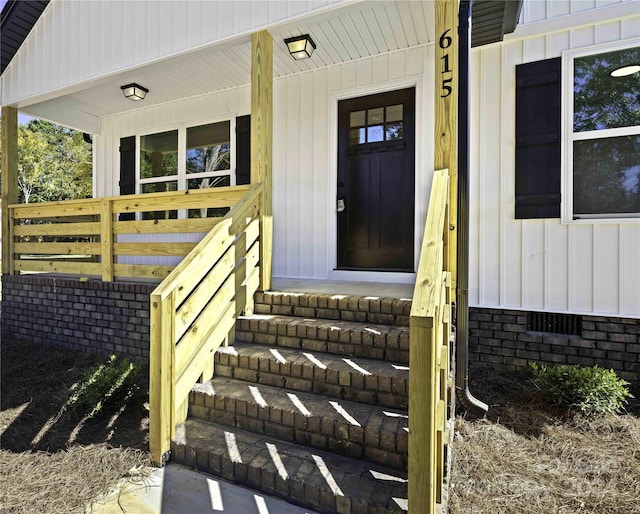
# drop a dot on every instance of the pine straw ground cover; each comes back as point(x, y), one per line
point(525, 457)
point(54, 460)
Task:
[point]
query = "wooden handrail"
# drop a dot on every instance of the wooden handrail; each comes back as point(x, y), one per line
point(429, 353)
point(193, 312)
point(47, 235)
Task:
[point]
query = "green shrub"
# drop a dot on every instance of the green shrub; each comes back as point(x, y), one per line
point(591, 390)
point(106, 387)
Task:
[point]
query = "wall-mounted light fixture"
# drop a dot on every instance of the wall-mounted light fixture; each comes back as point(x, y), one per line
point(626, 70)
point(300, 47)
point(134, 91)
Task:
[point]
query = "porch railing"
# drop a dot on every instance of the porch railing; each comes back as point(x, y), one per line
point(193, 312)
point(87, 236)
point(429, 351)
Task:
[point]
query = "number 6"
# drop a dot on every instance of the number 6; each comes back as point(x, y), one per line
point(445, 41)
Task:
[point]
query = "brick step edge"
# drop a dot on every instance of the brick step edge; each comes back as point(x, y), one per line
point(370, 434)
point(386, 384)
point(349, 487)
point(371, 341)
point(387, 311)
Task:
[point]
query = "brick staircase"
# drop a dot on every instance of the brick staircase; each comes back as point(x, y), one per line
point(309, 404)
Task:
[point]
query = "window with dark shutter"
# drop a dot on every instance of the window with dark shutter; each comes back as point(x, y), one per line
point(243, 150)
point(127, 170)
point(538, 141)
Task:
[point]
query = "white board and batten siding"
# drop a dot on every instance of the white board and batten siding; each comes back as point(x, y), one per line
point(304, 169)
point(304, 151)
point(542, 265)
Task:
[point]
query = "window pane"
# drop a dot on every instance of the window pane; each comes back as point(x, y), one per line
point(394, 113)
point(606, 176)
point(208, 148)
point(375, 134)
point(394, 131)
point(600, 100)
point(357, 136)
point(375, 116)
point(204, 183)
point(356, 119)
point(159, 154)
point(159, 187)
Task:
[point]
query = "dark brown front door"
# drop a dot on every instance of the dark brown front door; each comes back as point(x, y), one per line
point(376, 155)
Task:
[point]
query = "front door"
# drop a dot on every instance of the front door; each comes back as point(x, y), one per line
point(375, 204)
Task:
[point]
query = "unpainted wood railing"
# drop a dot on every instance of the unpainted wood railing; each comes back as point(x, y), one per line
point(429, 351)
point(194, 310)
point(85, 236)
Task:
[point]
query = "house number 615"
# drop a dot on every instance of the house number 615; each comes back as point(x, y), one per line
point(445, 42)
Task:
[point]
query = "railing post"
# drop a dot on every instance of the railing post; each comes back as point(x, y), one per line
point(422, 420)
point(446, 112)
point(106, 239)
point(161, 377)
point(9, 145)
point(262, 142)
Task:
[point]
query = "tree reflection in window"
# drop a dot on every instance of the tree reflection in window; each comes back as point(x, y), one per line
point(606, 175)
point(208, 148)
point(606, 126)
point(600, 100)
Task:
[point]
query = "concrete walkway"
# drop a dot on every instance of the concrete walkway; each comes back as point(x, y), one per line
point(177, 490)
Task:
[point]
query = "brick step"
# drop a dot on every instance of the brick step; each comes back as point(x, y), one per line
point(356, 379)
point(369, 309)
point(347, 428)
point(368, 340)
point(311, 478)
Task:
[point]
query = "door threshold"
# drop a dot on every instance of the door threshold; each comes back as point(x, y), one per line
point(377, 289)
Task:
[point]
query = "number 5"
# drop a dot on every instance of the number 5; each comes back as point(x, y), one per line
point(446, 87)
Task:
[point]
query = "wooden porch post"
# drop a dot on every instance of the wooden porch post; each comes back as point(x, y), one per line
point(9, 181)
point(446, 116)
point(261, 142)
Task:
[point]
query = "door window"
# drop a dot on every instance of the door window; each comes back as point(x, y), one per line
point(376, 125)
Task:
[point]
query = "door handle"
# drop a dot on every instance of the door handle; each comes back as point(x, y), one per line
point(341, 205)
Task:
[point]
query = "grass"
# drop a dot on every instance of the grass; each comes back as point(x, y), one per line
point(54, 459)
point(526, 457)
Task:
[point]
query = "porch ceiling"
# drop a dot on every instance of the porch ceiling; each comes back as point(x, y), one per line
point(343, 33)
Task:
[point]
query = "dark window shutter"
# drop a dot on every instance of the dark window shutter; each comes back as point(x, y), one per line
point(127, 171)
point(243, 150)
point(538, 161)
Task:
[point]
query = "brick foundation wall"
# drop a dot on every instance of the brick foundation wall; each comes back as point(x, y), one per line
point(499, 338)
point(92, 316)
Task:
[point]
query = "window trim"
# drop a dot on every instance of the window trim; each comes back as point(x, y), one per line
point(569, 136)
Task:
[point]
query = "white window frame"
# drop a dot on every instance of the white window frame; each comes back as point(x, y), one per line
point(182, 177)
point(569, 136)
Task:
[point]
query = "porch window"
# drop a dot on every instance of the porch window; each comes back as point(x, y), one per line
point(602, 136)
point(159, 167)
point(186, 158)
point(208, 162)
